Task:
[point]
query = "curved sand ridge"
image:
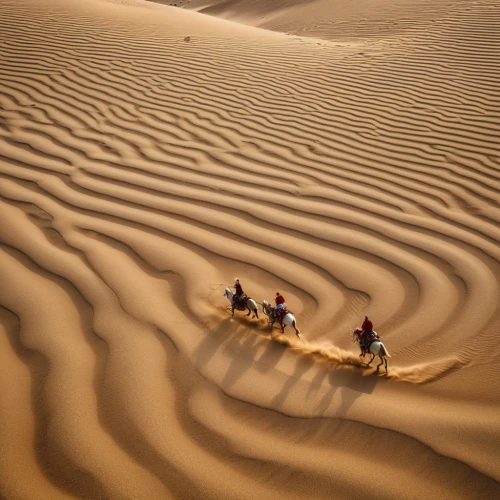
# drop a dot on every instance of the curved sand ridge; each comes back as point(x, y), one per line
point(140, 171)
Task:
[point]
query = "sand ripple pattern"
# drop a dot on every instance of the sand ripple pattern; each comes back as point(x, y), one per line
point(140, 171)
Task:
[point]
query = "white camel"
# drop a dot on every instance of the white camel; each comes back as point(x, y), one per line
point(288, 320)
point(377, 348)
point(250, 304)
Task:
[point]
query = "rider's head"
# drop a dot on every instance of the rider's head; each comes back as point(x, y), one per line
point(366, 317)
point(277, 293)
point(236, 280)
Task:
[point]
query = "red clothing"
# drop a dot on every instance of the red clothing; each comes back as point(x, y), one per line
point(367, 326)
point(239, 290)
point(279, 299)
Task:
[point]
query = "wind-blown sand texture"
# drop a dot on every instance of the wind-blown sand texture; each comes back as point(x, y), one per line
point(347, 155)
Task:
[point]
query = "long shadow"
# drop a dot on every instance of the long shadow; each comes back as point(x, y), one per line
point(352, 386)
point(234, 337)
point(316, 383)
point(326, 400)
point(213, 341)
point(243, 353)
point(270, 357)
point(353, 380)
point(304, 363)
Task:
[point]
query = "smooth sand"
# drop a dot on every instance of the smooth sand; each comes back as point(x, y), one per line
point(343, 153)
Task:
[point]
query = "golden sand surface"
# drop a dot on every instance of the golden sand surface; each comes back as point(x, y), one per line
point(344, 153)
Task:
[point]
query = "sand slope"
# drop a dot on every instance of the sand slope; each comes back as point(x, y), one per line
point(356, 171)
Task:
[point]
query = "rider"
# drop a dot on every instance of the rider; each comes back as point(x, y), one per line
point(238, 294)
point(367, 329)
point(280, 304)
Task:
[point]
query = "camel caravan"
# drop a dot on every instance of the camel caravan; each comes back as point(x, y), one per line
point(367, 339)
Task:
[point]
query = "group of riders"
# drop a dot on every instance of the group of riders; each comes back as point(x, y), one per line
point(366, 336)
point(240, 297)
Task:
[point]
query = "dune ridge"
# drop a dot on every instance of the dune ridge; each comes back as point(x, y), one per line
point(150, 154)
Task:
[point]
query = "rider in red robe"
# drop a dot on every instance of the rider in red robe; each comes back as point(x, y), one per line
point(279, 299)
point(280, 304)
point(367, 328)
point(238, 292)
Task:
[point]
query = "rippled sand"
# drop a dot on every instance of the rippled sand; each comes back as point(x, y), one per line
point(343, 153)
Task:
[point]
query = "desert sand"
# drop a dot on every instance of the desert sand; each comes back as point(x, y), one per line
point(344, 153)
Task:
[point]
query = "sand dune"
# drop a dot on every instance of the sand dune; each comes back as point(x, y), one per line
point(344, 153)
